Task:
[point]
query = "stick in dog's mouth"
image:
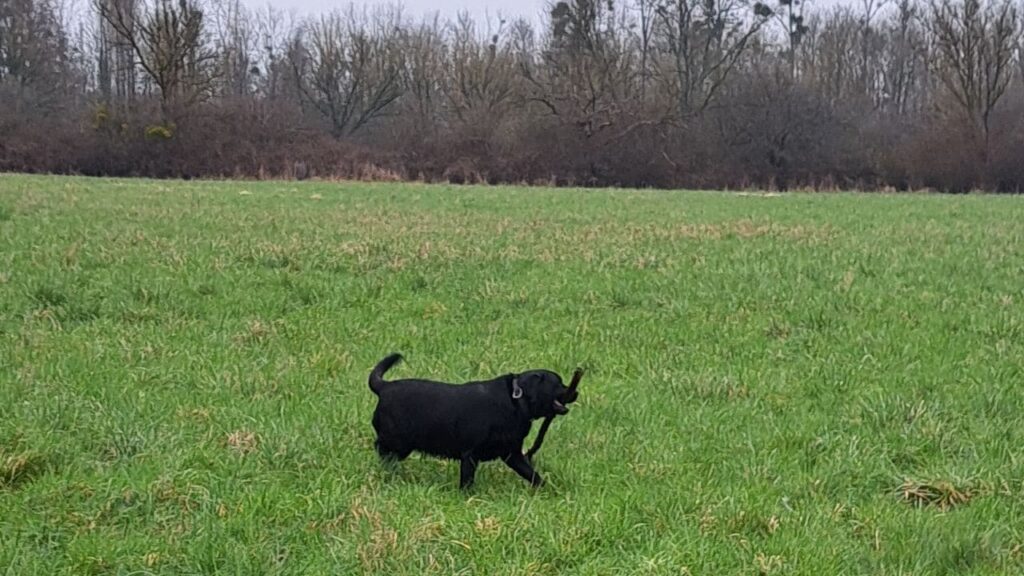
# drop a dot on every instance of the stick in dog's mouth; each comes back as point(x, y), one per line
point(570, 395)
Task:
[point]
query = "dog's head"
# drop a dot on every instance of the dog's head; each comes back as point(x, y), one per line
point(544, 393)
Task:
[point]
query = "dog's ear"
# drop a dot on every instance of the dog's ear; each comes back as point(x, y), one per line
point(531, 386)
point(525, 384)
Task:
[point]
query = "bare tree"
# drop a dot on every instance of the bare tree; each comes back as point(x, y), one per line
point(790, 16)
point(830, 66)
point(116, 67)
point(480, 76)
point(423, 69)
point(168, 43)
point(870, 73)
point(349, 73)
point(1020, 59)
point(586, 74)
point(276, 32)
point(33, 50)
point(700, 43)
point(903, 50)
point(645, 10)
point(975, 46)
point(235, 47)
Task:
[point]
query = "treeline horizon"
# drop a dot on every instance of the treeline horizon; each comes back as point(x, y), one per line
point(710, 94)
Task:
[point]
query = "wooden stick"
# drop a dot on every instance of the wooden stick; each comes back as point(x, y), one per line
point(576, 377)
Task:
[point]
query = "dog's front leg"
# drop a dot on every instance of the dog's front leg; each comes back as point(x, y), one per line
point(518, 462)
point(468, 471)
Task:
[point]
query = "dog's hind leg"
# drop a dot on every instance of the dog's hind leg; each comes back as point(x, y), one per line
point(467, 472)
point(518, 462)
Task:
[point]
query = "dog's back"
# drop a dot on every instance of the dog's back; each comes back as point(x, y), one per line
point(442, 419)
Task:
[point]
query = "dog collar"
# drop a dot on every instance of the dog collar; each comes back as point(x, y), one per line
point(517, 390)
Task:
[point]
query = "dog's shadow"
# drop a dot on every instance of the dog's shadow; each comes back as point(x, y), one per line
point(492, 477)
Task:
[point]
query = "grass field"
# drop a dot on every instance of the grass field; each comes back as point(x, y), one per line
point(801, 384)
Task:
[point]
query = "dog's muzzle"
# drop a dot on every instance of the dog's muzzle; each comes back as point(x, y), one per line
point(568, 397)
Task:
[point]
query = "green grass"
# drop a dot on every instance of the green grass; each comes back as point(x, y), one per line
point(804, 384)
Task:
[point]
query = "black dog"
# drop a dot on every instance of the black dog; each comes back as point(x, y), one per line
point(473, 422)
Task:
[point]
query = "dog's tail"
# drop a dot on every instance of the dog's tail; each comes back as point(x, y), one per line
point(377, 376)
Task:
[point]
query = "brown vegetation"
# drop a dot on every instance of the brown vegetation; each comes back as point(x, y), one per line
point(896, 94)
